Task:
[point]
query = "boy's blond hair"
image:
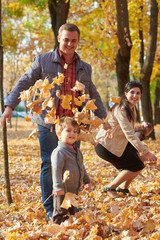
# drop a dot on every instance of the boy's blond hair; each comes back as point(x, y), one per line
point(63, 122)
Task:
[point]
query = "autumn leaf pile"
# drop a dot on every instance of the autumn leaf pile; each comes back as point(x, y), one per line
point(135, 217)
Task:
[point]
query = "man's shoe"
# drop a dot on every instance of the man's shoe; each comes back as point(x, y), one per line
point(49, 216)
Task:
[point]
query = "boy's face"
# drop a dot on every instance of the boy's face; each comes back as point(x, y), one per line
point(69, 134)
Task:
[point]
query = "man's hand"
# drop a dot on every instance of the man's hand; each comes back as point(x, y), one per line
point(7, 114)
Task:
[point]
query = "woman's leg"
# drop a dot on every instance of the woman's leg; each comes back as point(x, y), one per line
point(123, 179)
point(126, 184)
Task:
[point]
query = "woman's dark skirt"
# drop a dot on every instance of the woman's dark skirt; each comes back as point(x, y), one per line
point(128, 161)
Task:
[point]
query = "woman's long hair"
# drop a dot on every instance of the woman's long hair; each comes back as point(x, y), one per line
point(124, 102)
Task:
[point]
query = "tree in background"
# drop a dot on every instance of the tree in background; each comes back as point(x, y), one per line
point(148, 64)
point(5, 147)
point(58, 12)
point(125, 45)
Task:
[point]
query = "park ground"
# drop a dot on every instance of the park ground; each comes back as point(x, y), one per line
point(129, 218)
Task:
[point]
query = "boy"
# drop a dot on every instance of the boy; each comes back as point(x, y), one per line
point(67, 157)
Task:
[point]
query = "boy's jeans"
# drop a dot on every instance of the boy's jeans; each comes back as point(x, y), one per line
point(48, 142)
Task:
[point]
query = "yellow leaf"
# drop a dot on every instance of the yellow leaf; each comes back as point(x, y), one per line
point(79, 87)
point(90, 105)
point(66, 101)
point(44, 104)
point(33, 134)
point(51, 117)
point(114, 99)
point(27, 94)
point(28, 119)
point(86, 137)
point(58, 80)
point(66, 176)
point(149, 226)
point(44, 88)
point(78, 101)
point(96, 122)
point(69, 200)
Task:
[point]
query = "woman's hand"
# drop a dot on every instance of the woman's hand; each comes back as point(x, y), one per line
point(106, 126)
point(150, 158)
point(110, 132)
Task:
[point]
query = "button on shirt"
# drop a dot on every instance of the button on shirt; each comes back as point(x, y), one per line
point(69, 71)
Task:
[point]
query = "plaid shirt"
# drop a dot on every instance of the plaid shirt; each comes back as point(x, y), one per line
point(68, 84)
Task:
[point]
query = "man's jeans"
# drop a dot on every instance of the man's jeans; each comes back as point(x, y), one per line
point(48, 142)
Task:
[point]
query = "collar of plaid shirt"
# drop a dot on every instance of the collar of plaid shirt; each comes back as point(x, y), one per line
point(68, 84)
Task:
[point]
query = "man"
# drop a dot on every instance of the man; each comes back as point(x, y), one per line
point(48, 65)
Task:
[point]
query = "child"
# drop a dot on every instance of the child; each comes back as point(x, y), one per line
point(67, 157)
point(143, 130)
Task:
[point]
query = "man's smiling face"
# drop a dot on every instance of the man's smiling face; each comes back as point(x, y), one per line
point(68, 42)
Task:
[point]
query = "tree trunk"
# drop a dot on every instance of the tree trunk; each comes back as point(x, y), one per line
point(148, 65)
point(59, 12)
point(157, 104)
point(5, 148)
point(123, 55)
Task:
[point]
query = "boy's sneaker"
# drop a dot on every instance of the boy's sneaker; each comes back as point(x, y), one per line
point(49, 216)
point(78, 209)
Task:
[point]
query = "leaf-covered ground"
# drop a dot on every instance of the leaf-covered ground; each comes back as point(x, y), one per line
point(135, 217)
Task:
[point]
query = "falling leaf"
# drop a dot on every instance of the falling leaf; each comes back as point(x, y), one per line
point(66, 176)
point(79, 87)
point(114, 99)
point(34, 133)
point(69, 200)
point(37, 109)
point(26, 95)
point(28, 119)
point(45, 89)
point(78, 101)
point(59, 95)
point(32, 104)
point(66, 101)
point(58, 80)
point(65, 66)
point(86, 137)
point(90, 105)
point(96, 122)
point(45, 103)
point(50, 116)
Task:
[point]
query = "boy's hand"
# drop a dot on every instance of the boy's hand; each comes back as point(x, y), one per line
point(87, 186)
point(61, 192)
point(106, 126)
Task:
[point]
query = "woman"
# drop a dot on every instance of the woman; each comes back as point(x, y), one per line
point(123, 148)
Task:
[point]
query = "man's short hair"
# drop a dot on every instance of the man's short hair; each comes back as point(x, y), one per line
point(63, 122)
point(69, 27)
